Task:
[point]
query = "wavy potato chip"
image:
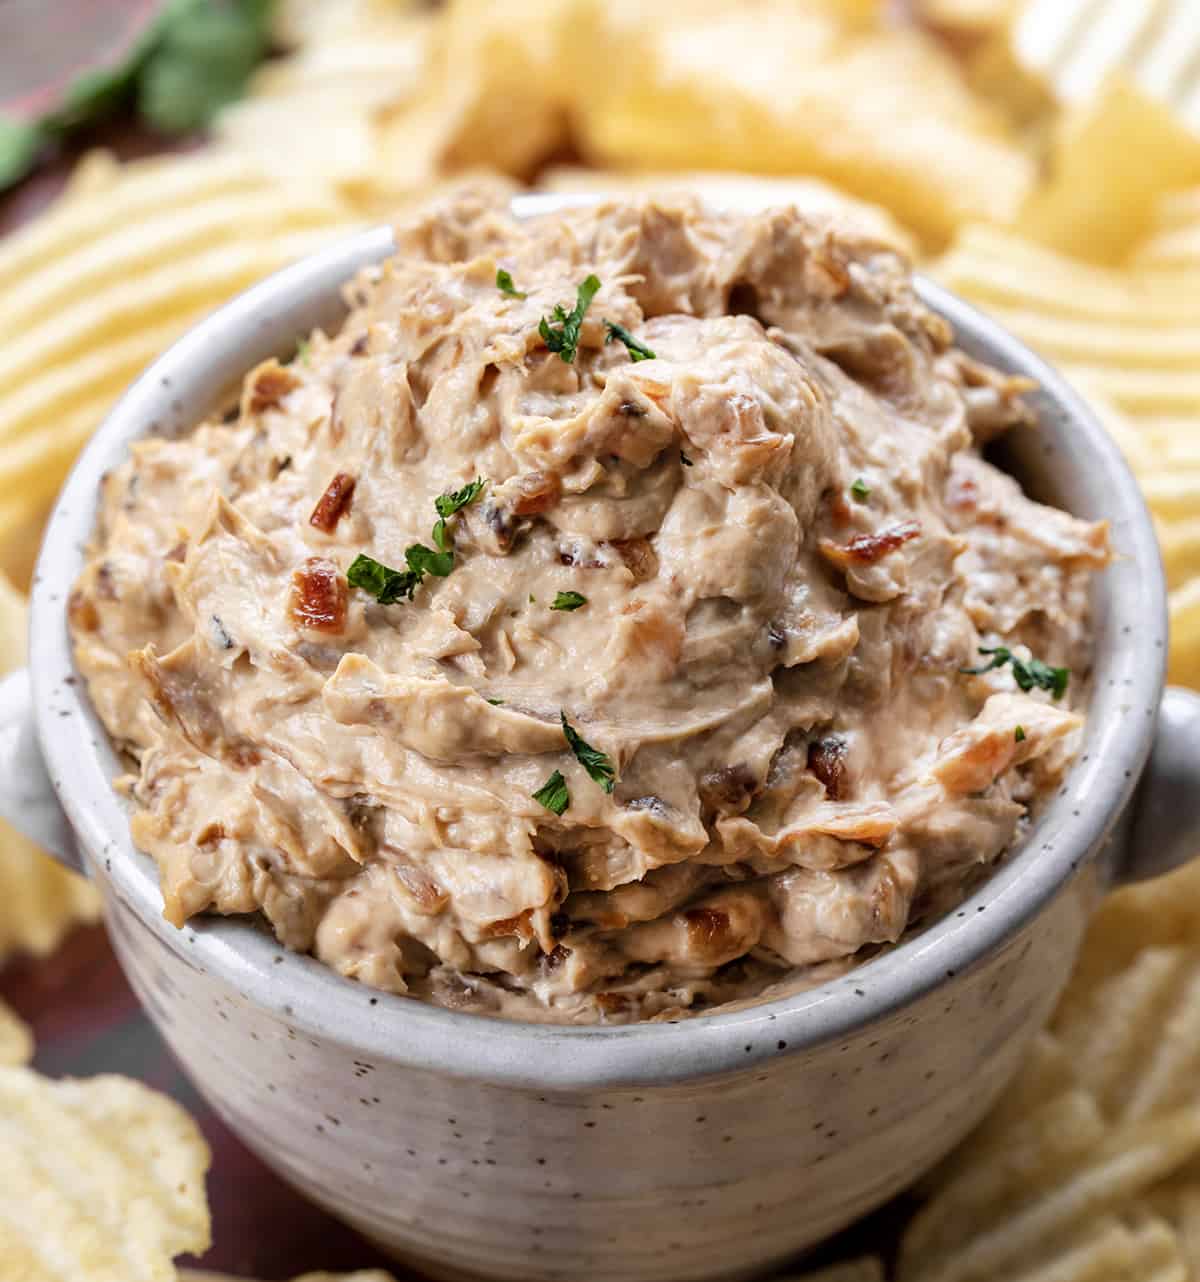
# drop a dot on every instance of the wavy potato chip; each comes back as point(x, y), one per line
point(1113, 159)
point(101, 1180)
point(96, 288)
point(1078, 46)
point(16, 1041)
point(774, 87)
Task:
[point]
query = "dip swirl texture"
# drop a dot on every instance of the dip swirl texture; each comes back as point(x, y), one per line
point(744, 559)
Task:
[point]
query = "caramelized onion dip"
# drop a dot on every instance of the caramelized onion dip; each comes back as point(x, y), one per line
point(617, 617)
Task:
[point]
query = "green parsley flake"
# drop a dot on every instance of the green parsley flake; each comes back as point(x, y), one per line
point(598, 764)
point(561, 332)
point(386, 585)
point(1028, 673)
point(454, 500)
point(861, 490)
point(568, 601)
point(637, 351)
point(1019, 736)
point(422, 561)
point(496, 703)
point(504, 283)
point(553, 794)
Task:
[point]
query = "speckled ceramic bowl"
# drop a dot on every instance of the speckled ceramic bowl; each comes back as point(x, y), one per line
point(710, 1148)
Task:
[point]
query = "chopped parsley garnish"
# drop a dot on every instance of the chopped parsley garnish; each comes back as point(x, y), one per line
point(683, 458)
point(561, 332)
point(637, 351)
point(504, 283)
point(496, 703)
point(386, 585)
point(1028, 673)
point(449, 503)
point(453, 501)
point(568, 601)
point(861, 490)
point(422, 561)
point(598, 764)
point(553, 794)
point(1019, 736)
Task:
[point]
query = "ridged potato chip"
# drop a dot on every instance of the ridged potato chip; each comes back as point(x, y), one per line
point(776, 87)
point(1128, 337)
point(16, 1041)
point(1077, 46)
point(99, 286)
point(101, 1180)
point(1113, 159)
point(1089, 1168)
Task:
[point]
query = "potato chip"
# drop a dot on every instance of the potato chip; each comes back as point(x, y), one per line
point(1088, 1167)
point(336, 83)
point(740, 191)
point(16, 1041)
point(493, 94)
point(100, 1179)
point(1113, 160)
point(39, 899)
point(1077, 46)
point(780, 88)
point(96, 289)
point(971, 17)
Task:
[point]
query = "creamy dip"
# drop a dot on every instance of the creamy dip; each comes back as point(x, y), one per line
point(671, 709)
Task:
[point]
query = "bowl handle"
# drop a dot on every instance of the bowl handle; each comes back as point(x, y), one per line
point(1166, 810)
point(27, 797)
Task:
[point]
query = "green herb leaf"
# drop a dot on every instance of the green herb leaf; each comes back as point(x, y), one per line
point(496, 703)
point(1019, 736)
point(203, 58)
point(553, 794)
point(561, 332)
point(19, 145)
point(598, 764)
point(568, 601)
point(861, 490)
point(422, 561)
point(452, 501)
point(504, 283)
point(683, 458)
point(441, 537)
point(1028, 673)
point(386, 585)
point(637, 351)
point(1033, 672)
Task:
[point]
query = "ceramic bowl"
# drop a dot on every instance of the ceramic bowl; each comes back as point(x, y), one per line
point(709, 1148)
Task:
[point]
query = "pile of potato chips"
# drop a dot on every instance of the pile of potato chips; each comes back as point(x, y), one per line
point(1040, 157)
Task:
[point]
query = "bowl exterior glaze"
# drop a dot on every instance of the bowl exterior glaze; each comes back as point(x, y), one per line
point(717, 1176)
point(706, 1149)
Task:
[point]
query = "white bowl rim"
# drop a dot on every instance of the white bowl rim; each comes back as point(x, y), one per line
point(1130, 657)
